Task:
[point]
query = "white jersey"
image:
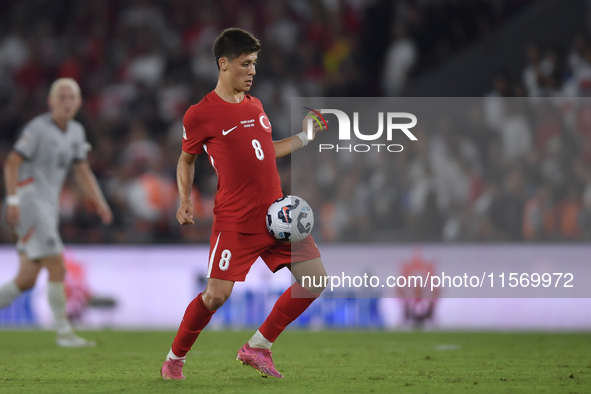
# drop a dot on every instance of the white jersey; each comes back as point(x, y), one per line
point(49, 152)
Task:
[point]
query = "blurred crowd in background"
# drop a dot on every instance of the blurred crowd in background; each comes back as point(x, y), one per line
point(142, 63)
point(482, 169)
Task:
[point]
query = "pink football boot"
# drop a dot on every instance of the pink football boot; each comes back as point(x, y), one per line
point(173, 369)
point(259, 359)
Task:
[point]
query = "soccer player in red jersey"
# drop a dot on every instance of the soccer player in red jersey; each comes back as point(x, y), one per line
point(232, 128)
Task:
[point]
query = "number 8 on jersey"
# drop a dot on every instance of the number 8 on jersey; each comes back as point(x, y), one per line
point(258, 149)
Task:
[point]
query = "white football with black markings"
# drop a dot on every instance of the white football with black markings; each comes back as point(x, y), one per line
point(290, 219)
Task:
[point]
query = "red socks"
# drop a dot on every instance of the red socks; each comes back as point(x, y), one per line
point(195, 319)
point(288, 307)
point(292, 303)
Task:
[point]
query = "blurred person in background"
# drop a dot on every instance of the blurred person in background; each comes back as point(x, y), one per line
point(400, 58)
point(506, 209)
point(539, 216)
point(569, 212)
point(493, 106)
point(532, 73)
point(34, 175)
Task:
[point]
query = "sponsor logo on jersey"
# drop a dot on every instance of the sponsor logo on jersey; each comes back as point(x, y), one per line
point(184, 133)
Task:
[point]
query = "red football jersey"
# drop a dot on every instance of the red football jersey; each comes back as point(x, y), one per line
point(237, 138)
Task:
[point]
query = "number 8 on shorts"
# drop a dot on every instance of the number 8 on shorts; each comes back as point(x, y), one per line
point(225, 260)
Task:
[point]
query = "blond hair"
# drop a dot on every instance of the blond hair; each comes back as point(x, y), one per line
point(64, 82)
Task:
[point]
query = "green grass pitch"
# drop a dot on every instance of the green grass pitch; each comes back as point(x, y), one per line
point(312, 362)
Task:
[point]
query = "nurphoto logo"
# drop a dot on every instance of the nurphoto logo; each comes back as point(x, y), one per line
point(344, 124)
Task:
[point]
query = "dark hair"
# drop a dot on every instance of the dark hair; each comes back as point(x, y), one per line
point(234, 42)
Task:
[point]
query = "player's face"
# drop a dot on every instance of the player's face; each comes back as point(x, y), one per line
point(242, 71)
point(65, 102)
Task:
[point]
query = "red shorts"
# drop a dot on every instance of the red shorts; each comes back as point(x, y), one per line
point(231, 254)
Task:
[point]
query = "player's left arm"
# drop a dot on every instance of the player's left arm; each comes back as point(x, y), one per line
point(87, 181)
point(288, 145)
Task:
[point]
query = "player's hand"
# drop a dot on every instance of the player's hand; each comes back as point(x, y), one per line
point(13, 215)
point(105, 213)
point(185, 213)
point(316, 127)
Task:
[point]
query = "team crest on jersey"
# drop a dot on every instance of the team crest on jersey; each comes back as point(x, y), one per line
point(265, 122)
point(184, 133)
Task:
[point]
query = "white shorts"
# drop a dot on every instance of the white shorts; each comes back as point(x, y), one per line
point(38, 230)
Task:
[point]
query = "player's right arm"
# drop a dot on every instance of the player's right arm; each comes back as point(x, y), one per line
point(185, 173)
point(194, 137)
point(11, 166)
point(25, 148)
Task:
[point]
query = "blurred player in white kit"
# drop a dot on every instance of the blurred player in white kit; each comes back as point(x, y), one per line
point(34, 173)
